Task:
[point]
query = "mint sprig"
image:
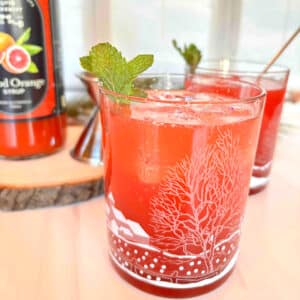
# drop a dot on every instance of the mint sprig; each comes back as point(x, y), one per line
point(190, 53)
point(112, 69)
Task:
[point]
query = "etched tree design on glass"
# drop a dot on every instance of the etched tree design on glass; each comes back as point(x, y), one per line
point(200, 202)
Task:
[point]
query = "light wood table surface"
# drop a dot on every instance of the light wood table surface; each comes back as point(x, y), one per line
point(61, 253)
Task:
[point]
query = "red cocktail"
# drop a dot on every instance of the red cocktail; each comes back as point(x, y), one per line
point(274, 82)
point(177, 171)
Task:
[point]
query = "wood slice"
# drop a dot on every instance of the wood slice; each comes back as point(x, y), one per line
point(56, 179)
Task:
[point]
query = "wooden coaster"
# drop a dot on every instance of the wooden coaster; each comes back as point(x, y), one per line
point(52, 180)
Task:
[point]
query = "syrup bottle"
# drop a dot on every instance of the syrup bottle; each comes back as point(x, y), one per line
point(32, 113)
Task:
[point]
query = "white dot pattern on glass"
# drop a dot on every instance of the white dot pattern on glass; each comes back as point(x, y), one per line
point(155, 265)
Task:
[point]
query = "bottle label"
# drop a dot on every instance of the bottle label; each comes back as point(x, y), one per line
point(27, 83)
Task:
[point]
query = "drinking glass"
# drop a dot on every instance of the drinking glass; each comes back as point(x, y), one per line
point(177, 166)
point(274, 81)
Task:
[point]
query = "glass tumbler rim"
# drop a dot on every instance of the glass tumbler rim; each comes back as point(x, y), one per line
point(261, 93)
point(224, 67)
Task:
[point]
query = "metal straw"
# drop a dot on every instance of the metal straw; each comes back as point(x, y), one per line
point(277, 55)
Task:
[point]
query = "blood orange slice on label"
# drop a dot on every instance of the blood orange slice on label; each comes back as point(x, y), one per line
point(17, 60)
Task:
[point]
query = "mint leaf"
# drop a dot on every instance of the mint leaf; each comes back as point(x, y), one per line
point(24, 37)
point(32, 68)
point(116, 74)
point(32, 49)
point(139, 64)
point(85, 62)
point(138, 92)
point(109, 66)
point(190, 53)
point(174, 42)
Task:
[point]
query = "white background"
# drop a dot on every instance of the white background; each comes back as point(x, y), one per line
point(247, 29)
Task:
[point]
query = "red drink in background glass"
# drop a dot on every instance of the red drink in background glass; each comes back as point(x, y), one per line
point(269, 127)
point(274, 82)
point(177, 171)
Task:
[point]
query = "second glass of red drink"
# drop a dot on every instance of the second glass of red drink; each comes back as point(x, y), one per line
point(274, 82)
